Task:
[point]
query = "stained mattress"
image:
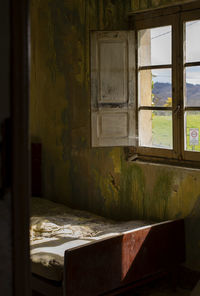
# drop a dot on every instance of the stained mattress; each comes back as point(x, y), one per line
point(55, 228)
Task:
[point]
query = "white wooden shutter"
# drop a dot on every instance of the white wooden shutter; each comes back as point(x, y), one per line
point(113, 88)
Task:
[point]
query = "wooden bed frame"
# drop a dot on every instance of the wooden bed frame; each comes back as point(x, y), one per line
point(104, 267)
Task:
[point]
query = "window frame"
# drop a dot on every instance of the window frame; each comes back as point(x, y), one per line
point(184, 17)
point(174, 16)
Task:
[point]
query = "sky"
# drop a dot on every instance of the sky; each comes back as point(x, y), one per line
point(161, 52)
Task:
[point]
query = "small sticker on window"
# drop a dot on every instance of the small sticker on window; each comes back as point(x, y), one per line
point(194, 136)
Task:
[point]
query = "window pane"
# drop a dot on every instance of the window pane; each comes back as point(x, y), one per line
point(155, 88)
point(192, 128)
point(192, 41)
point(154, 46)
point(155, 129)
point(192, 95)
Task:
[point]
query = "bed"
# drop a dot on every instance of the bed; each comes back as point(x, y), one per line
point(78, 253)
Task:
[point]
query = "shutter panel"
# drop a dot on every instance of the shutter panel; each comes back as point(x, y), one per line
point(113, 88)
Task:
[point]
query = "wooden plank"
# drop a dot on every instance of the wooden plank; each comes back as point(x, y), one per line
point(155, 108)
point(165, 9)
point(154, 11)
point(113, 88)
point(160, 160)
point(113, 61)
point(175, 89)
point(192, 64)
point(155, 152)
point(112, 263)
point(153, 67)
point(194, 5)
point(189, 108)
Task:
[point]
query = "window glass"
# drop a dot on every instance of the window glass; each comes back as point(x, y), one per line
point(192, 31)
point(155, 88)
point(154, 46)
point(155, 128)
point(192, 86)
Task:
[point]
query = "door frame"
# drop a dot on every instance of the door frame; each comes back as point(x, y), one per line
point(20, 185)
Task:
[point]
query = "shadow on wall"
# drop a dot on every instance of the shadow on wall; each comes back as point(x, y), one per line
point(145, 4)
point(192, 224)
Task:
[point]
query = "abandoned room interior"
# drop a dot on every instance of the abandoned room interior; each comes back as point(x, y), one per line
point(113, 120)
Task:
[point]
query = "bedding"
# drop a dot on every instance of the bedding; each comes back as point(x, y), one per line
point(55, 228)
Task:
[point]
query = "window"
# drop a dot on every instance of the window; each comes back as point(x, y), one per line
point(146, 86)
point(154, 73)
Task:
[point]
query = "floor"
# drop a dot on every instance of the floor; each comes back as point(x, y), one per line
point(185, 285)
point(160, 288)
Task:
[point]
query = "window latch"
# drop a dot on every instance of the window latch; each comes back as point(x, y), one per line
point(178, 109)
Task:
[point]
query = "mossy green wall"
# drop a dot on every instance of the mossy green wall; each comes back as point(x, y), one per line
point(96, 179)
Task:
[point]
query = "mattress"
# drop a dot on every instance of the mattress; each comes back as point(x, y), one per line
point(55, 228)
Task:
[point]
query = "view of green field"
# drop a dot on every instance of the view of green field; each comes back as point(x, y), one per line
point(162, 130)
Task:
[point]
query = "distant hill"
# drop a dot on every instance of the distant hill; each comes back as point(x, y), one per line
point(162, 91)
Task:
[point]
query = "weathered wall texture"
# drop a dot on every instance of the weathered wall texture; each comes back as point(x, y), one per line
point(145, 4)
point(99, 180)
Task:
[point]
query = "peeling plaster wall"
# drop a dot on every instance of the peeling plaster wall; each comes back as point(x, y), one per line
point(96, 179)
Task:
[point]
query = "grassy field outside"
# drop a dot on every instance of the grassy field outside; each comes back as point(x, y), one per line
point(162, 130)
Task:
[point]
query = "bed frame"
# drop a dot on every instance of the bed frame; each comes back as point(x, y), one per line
point(105, 267)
